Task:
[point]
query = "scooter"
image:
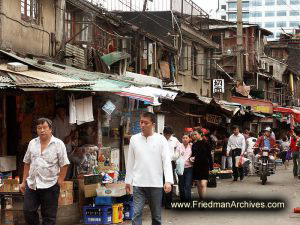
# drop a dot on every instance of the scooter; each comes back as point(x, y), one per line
point(264, 167)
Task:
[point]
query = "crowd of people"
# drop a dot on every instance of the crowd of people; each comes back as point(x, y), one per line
point(156, 161)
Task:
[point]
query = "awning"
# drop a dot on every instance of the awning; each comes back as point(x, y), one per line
point(147, 94)
point(113, 57)
point(36, 78)
point(286, 111)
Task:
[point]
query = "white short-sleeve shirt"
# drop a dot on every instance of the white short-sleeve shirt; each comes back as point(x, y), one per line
point(45, 166)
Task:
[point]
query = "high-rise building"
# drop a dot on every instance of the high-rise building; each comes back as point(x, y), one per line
point(278, 16)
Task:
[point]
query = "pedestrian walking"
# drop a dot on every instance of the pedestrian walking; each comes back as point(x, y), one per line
point(295, 154)
point(249, 153)
point(185, 180)
point(45, 167)
point(284, 147)
point(226, 160)
point(202, 163)
point(148, 159)
point(173, 144)
point(236, 147)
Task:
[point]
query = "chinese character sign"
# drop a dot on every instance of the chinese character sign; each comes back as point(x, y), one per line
point(218, 85)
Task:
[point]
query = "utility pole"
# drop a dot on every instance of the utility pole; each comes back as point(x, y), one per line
point(239, 43)
point(145, 5)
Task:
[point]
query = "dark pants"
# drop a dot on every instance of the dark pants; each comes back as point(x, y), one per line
point(168, 196)
point(47, 199)
point(154, 197)
point(237, 171)
point(185, 184)
point(296, 159)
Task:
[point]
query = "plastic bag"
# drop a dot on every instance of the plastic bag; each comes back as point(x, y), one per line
point(179, 166)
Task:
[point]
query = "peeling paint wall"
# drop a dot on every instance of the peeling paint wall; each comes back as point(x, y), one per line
point(23, 36)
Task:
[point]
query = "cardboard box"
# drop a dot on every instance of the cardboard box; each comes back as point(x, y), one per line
point(65, 198)
point(113, 190)
point(8, 217)
point(8, 163)
point(67, 186)
point(11, 185)
point(90, 190)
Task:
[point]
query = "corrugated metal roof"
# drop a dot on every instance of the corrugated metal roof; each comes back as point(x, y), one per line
point(38, 78)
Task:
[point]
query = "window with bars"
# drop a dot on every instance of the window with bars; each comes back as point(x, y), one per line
point(30, 10)
point(186, 57)
point(68, 25)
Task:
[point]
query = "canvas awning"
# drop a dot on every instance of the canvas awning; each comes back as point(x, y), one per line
point(114, 57)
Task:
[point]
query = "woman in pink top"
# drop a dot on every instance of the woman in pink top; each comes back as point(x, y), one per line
point(185, 181)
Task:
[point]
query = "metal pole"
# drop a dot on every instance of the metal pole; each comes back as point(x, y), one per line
point(239, 42)
point(145, 5)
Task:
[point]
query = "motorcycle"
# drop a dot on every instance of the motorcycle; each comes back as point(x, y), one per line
point(264, 167)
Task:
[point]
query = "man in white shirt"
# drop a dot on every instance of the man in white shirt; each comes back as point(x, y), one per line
point(173, 144)
point(148, 160)
point(236, 146)
point(250, 142)
point(45, 167)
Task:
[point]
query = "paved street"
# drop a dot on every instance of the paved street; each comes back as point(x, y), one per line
point(281, 184)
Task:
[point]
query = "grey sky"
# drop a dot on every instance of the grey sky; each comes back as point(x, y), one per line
point(207, 5)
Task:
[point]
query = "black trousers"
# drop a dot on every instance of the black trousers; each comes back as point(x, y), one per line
point(167, 197)
point(237, 171)
point(47, 199)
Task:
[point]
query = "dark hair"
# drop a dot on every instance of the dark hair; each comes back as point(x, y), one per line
point(251, 134)
point(168, 130)
point(246, 128)
point(235, 127)
point(199, 130)
point(43, 120)
point(284, 138)
point(149, 115)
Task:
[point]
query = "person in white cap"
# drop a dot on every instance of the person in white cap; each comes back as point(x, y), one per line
point(265, 141)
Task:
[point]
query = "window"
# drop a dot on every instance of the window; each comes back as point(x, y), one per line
point(269, 24)
point(245, 15)
point(223, 7)
point(278, 35)
point(245, 4)
point(294, 13)
point(295, 2)
point(231, 16)
point(30, 10)
point(269, 2)
point(256, 14)
point(281, 24)
point(223, 17)
point(232, 5)
point(269, 13)
point(85, 28)
point(186, 58)
point(270, 36)
point(68, 25)
point(281, 2)
point(256, 3)
point(294, 23)
point(281, 13)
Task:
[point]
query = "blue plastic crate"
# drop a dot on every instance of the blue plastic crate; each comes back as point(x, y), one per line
point(103, 201)
point(128, 210)
point(97, 214)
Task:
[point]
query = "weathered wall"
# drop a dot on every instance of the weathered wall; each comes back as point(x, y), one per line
point(195, 84)
point(22, 36)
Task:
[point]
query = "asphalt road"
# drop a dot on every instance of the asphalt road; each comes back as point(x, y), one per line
point(281, 185)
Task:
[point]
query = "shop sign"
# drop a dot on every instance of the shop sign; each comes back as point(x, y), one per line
point(213, 119)
point(109, 107)
point(218, 85)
